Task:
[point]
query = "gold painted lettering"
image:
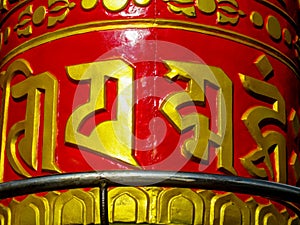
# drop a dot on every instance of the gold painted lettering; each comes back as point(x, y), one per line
point(198, 76)
point(110, 138)
point(17, 67)
point(33, 87)
point(3, 5)
point(268, 141)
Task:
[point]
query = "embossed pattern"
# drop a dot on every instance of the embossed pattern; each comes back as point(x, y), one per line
point(150, 205)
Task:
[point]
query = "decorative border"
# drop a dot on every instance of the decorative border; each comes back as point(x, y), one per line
point(143, 205)
point(13, 10)
point(108, 198)
point(150, 23)
point(226, 11)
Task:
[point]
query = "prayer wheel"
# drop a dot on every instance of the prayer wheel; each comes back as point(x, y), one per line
point(149, 112)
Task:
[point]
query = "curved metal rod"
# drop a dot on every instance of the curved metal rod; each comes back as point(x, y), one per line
point(267, 189)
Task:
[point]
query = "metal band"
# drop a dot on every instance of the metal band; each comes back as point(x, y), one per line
point(275, 191)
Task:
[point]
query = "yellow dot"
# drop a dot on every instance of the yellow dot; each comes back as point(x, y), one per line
point(208, 6)
point(256, 19)
point(39, 15)
point(89, 4)
point(115, 5)
point(142, 2)
point(287, 36)
point(273, 27)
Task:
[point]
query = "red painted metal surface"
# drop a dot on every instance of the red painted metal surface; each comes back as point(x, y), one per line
point(146, 36)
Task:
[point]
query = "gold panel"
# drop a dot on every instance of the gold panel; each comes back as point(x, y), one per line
point(182, 206)
point(207, 197)
point(128, 204)
point(228, 209)
point(5, 215)
point(268, 215)
point(74, 206)
point(33, 210)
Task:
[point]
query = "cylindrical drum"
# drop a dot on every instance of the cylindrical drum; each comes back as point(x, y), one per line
point(150, 112)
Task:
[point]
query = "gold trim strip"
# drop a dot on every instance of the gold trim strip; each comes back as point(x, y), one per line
point(150, 23)
point(279, 11)
point(12, 11)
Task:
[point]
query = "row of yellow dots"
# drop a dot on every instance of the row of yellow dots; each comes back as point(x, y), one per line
point(273, 27)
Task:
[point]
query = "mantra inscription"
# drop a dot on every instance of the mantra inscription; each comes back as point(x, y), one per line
point(112, 138)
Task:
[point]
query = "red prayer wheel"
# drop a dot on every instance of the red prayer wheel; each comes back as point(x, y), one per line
point(154, 112)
